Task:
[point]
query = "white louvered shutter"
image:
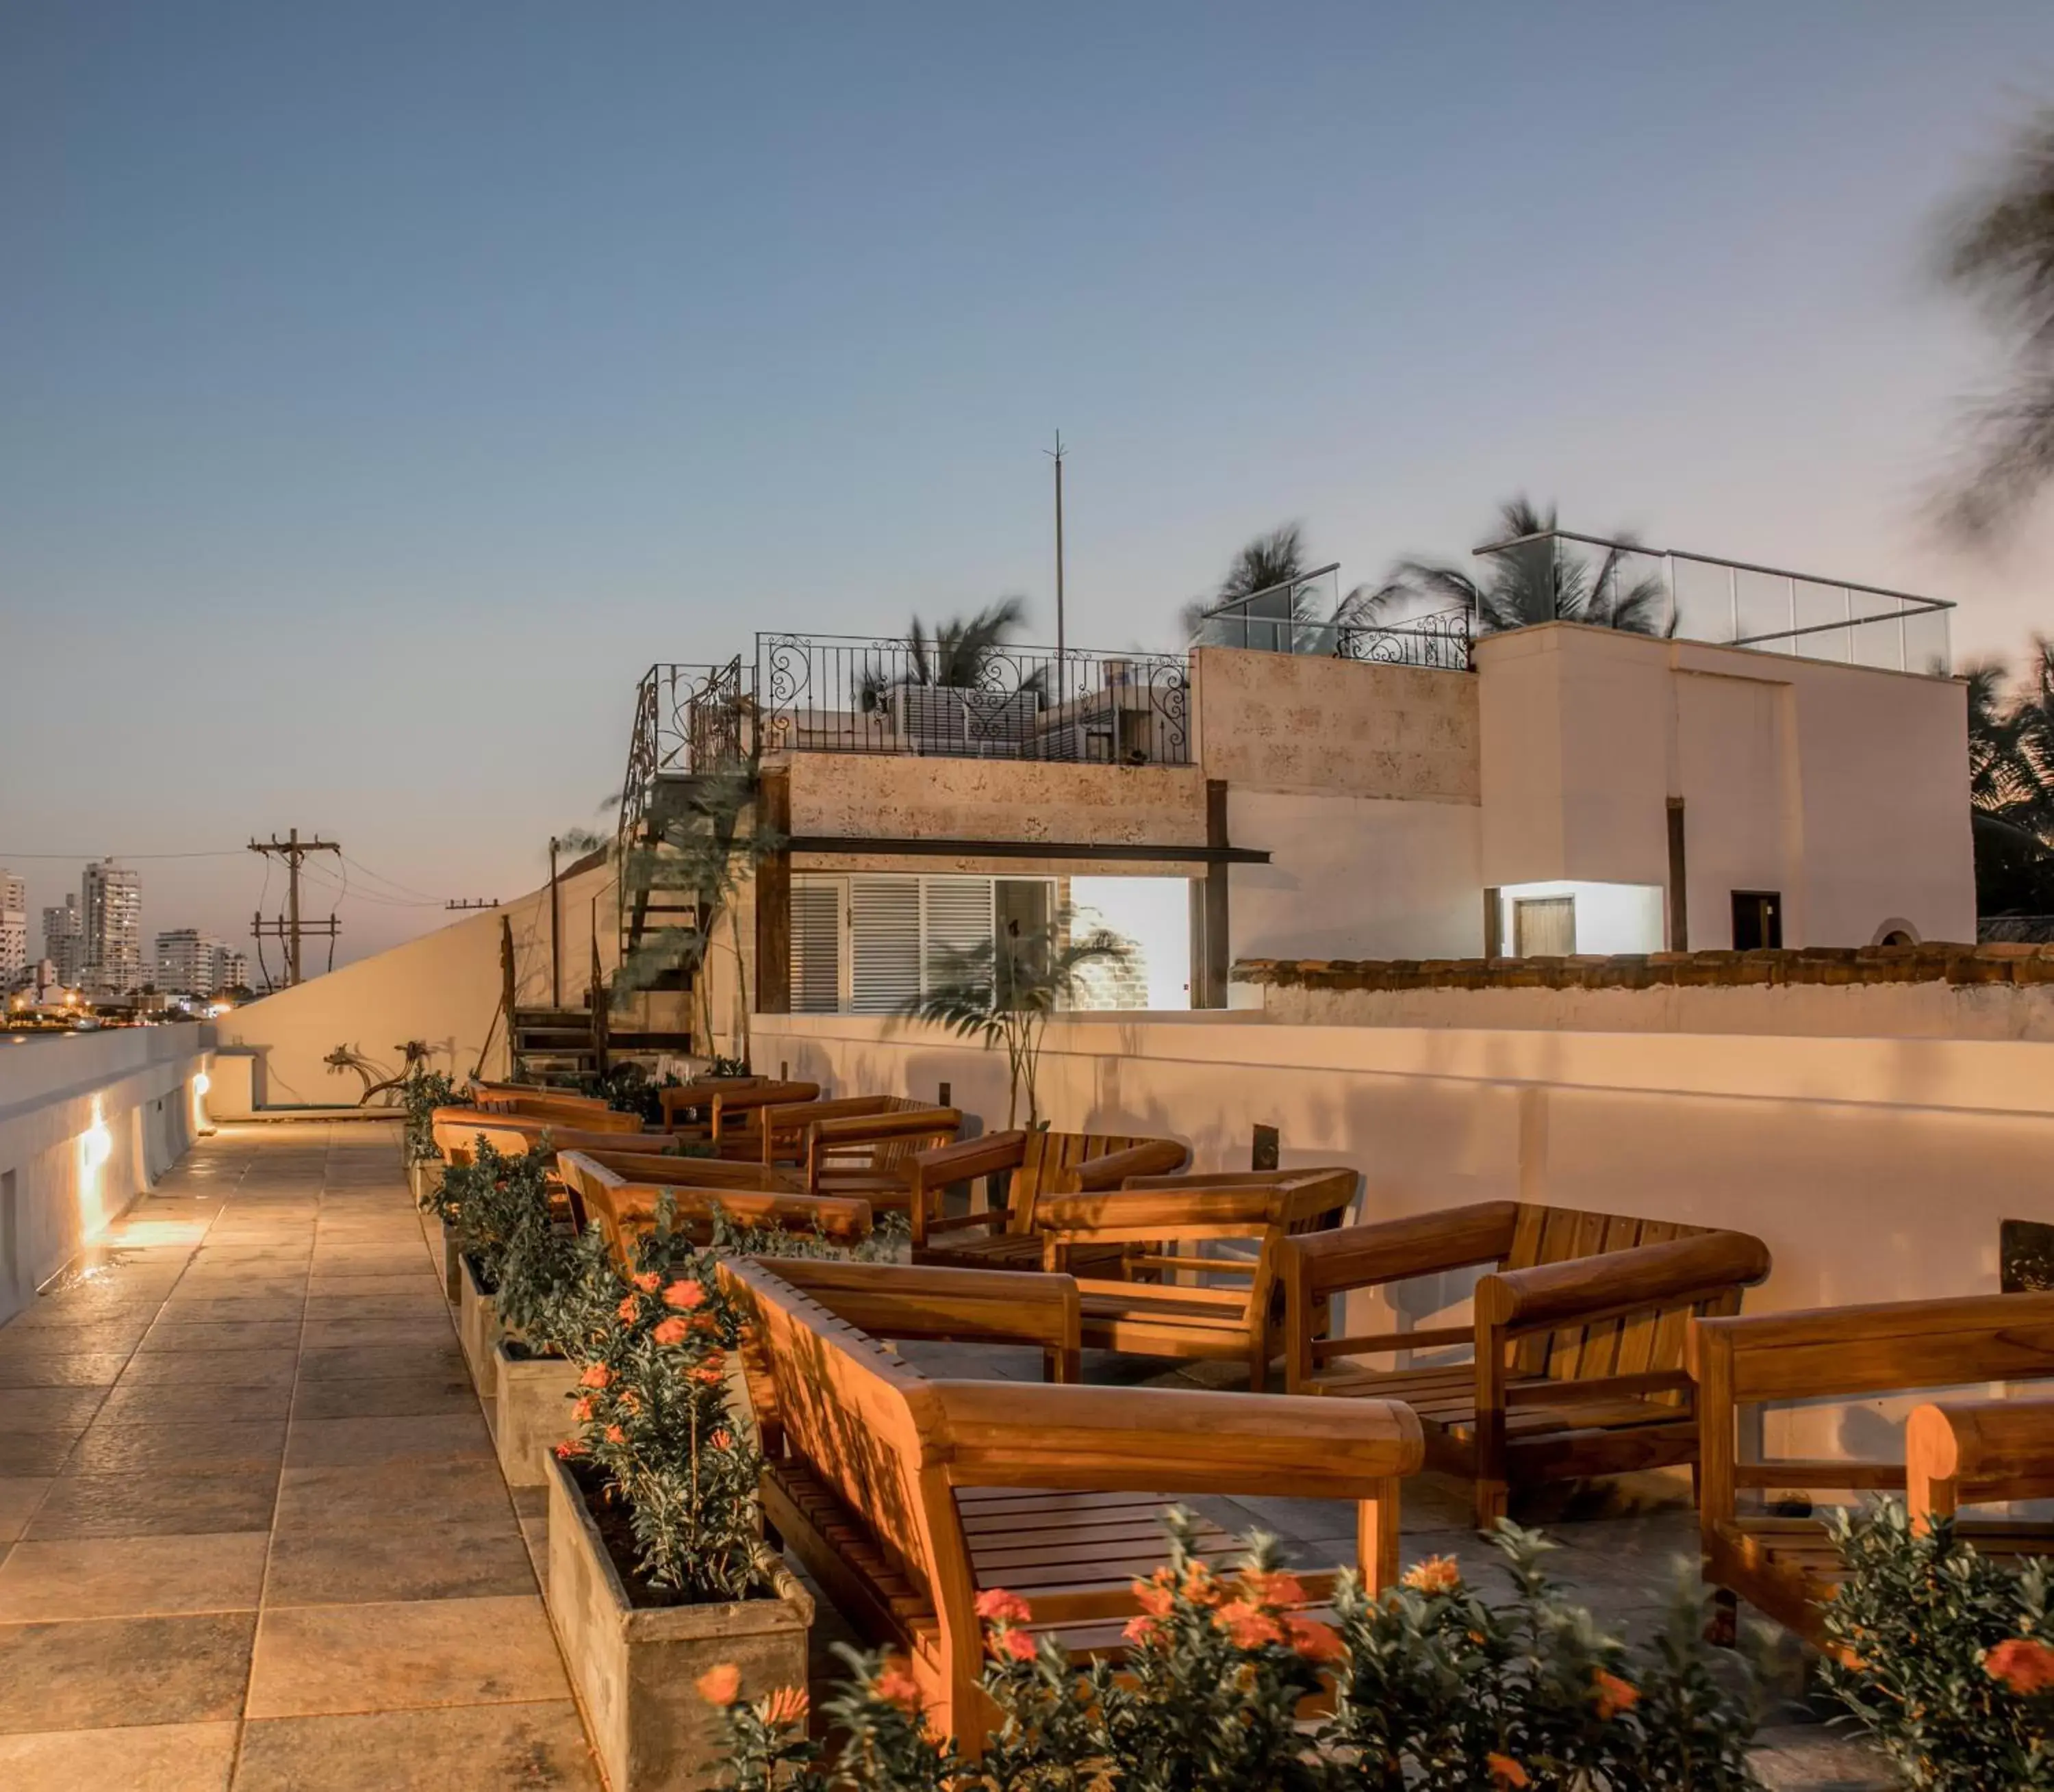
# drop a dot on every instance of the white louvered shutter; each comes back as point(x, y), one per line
point(958, 921)
point(816, 945)
point(884, 943)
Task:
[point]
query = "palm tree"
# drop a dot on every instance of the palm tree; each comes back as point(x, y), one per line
point(1998, 246)
point(2011, 785)
point(1533, 581)
point(1266, 563)
point(1003, 992)
point(955, 655)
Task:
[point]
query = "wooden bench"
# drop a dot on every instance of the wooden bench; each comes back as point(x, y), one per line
point(1036, 1164)
point(623, 1191)
point(519, 1098)
point(907, 1496)
point(687, 1104)
point(457, 1130)
point(1158, 1283)
point(1964, 1451)
point(1576, 1340)
point(858, 1145)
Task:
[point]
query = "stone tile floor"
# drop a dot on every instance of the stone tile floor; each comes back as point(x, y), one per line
point(252, 1534)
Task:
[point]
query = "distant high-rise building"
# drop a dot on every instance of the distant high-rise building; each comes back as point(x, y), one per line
point(111, 904)
point(13, 930)
point(64, 941)
point(231, 969)
point(186, 961)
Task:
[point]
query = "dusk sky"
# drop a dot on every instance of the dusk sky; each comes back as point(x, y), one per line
point(384, 387)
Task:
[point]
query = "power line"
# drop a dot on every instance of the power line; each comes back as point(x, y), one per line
point(230, 852)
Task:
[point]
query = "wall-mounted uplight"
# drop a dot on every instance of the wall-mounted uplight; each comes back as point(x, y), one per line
point(201, 1083)
point(95, 1143)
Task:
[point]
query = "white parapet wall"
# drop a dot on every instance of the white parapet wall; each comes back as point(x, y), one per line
point(1875, 1169)
point(88, 1122)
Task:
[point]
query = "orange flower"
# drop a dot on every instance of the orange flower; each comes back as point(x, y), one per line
point(1139, 1629)
point(1016, 1644)
point(996, 1606)
point(582, 1411)
point(1272, 1589)
point(710, 1374)
point(1154, 1598)
point(686, 1294)
point(785, 1708)
point(1249, 1626)
point(570, 1446)
point(719, 1685)
point(646, 1281)
point(616, 1434)
point(1505, 1771)
point(706, 1325)
point(1438, 1573)
point(1200, 1588)
point(1314, 1640)
point(2025, 1666)
point(596, 1376)
point(897, 1687)
point(1614, 1695)
point(721, 1440)
point(671, 1331)
point(630, 1309)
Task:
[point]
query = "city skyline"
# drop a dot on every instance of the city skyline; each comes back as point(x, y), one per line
point(572, 366)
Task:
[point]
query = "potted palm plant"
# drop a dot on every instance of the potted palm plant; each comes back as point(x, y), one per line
point(659, 1571)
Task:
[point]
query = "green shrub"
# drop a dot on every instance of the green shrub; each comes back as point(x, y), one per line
point(1435, 1689)
point(1944, 1656)
point(495, 1204)
point(423, 1091)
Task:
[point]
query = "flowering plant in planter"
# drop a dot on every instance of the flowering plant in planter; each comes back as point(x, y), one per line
point(1433, 1687)
point(493, 1202)
point(1945, 1657)
point(422, 1092)
point(657, 1442)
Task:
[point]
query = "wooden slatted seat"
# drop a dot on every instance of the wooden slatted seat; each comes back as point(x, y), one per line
point(1035, 1164)
point(1186, 1266)
point(906, 1496)
point(457, 1130)
point(624, 1192)
point(1957, 1451)
point(1576, 1340)
point(519, 1097)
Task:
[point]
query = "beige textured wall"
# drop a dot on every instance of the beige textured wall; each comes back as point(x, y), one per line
point(1285, 721)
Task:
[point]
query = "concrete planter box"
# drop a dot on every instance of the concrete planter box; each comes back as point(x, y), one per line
point(424, 1179)
point(478, 1329)
point(634, 1669)
point(533, 1411)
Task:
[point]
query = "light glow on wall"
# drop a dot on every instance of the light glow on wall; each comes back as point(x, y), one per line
point(95, 1143)
point(1610, 917)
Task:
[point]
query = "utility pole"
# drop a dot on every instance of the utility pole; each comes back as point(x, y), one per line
point(1057, 458)
point(290, 928)
point(556, 931)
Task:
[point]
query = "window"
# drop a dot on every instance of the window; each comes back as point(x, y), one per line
point(873, 945)
point(1757, 919)
point(1545, 926)
point(817, 924)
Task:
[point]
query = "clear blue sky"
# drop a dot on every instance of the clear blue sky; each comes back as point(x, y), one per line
point(382, 386)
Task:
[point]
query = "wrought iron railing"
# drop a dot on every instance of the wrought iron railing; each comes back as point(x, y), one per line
point(687, 718)
point(841, 694)
point(1439, 642)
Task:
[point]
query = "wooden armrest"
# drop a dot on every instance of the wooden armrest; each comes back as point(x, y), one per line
point(1145, 1159)
point(1147, 1439)
point(968, 1158)
point(1885, 1348)
point(868, 1129)
point(1959, 1451)
point(1136, 1209)
point(891, 1300)
point(1587, 1288)
point(1395, 1250)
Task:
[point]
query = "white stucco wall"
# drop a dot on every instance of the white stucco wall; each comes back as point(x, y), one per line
point(88, 1121)
point(1845, 788)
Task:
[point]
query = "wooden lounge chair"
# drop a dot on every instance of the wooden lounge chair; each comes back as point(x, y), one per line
point(518, 1098)
point(1037, 1164)
point(1216, 1297)
point(1959, 1451)
point(624, 1193)
point(907, 1496)
point(685, 1105)
point(858, 1145)
point(1577, 1339)
point(458, 1129)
